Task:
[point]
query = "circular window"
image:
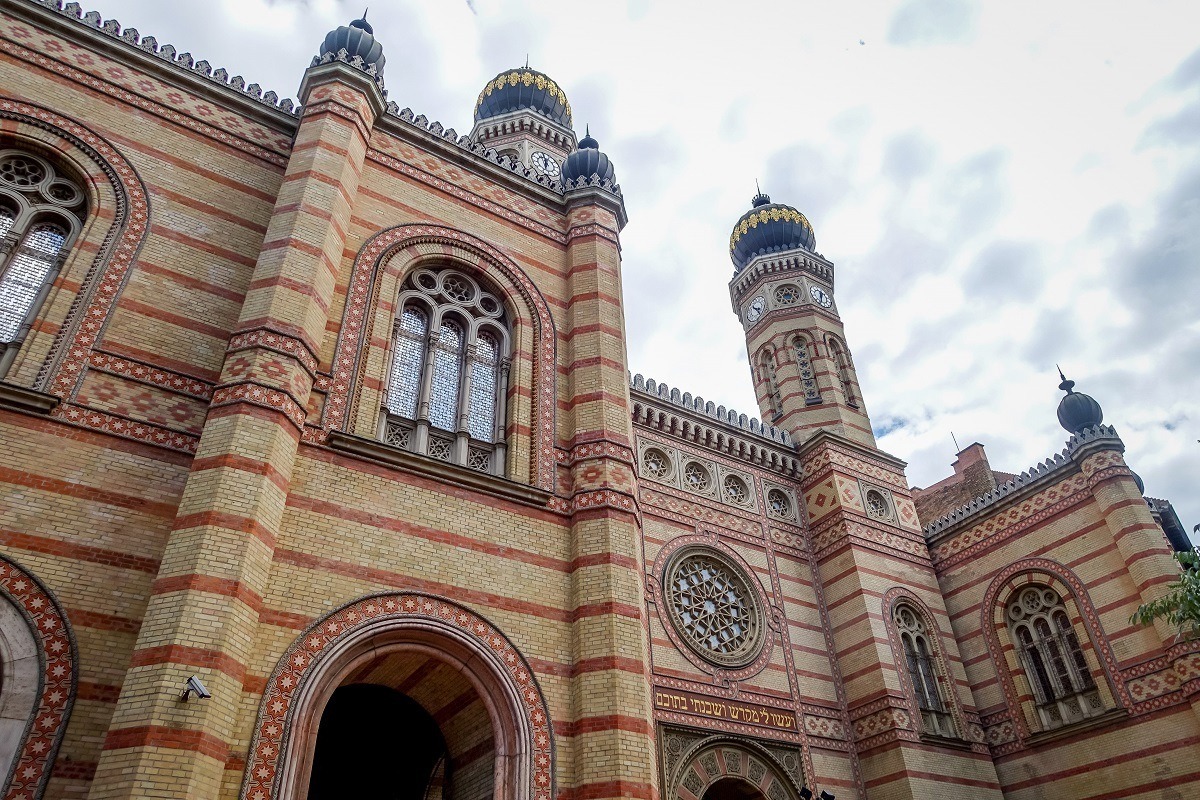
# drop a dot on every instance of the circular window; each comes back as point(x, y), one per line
point(656, 463)
point(787, 294)
point(457, 288)
point(877, 504)
point(22, 171)
point(696, 477)
point(713, 608)
point(780, 503)
point(736, 490)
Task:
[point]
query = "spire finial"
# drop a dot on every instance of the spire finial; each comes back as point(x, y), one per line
point(527, 61)
point(1066, 385)
point(757, 188)
point(365, 10)
point(587, 129)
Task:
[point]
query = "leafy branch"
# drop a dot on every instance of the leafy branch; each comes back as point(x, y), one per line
point(1180, 607)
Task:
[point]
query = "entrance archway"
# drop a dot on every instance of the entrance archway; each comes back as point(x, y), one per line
point(727, 768)
point(438, 666)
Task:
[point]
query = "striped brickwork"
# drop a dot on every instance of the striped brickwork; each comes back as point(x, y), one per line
point(226, 316)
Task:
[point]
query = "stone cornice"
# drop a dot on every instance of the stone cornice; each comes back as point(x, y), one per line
point(163, 61)
point(18, 398)
point(1037, 477)
point(826, 437)
point(323, 70)
point(776, 265)
point(657, 406)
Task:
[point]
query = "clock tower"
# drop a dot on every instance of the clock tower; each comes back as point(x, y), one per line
point(782, 290)
point(524, 115)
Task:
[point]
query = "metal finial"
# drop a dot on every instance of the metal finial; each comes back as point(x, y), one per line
point(1066, 385)
point(957, 449)
point(587, 129)
point(365, 10)
point(527, 61)
point(757, 188)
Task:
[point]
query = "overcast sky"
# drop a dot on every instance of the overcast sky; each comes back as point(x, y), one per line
point(1001, 186)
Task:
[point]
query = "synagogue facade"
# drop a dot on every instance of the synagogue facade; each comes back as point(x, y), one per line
point(325, 475)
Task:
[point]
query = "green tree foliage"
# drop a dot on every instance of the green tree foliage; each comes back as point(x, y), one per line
point(1181, 605)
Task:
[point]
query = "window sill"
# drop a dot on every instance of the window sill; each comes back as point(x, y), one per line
point(18, 398)
point(952, 742)
point(1091, 723)
point(438, 470)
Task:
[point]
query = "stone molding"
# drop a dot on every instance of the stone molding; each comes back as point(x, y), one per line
point(19, 398)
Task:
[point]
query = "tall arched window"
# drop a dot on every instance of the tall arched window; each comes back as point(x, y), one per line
point(1054, 662)
point(769, 374)
point(446, 387)
point(40, 215)
point(841, 363)
point(812, 395)
point(920, 658)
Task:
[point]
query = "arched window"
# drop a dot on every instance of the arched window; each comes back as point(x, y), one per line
point(920, 657)
point(769, 374)
point(446, 387)
point(812, 395)
point(40, 213)
point(841, 363)
point(1054, 662)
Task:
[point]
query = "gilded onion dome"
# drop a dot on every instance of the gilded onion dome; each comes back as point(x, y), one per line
point(523, 89)
point(357, 39)
point(768, 228)
point(587, 161)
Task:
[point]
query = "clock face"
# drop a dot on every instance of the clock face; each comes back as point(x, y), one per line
point(544, 163)
point(821, 296)
point(757, 306)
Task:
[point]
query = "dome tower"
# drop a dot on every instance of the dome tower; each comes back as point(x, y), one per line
point(782, 290)
point(523, 114)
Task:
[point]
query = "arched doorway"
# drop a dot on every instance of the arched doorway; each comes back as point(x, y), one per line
point(727, 768)
point(732, 789)
point(418, 697)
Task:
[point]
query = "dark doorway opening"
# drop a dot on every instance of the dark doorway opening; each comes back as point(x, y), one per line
point(732, 789)
point(374, 742)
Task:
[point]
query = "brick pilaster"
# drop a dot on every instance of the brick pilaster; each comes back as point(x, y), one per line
point(204, 605)
point(610, 691)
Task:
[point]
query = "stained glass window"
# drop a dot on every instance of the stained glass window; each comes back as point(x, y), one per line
point(25, 273)
point(923, 671)
point(440, 366)
point(1054, 662)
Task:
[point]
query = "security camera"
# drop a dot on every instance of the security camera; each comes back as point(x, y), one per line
point(194, 686)
point(826, 795)
point(806, 793)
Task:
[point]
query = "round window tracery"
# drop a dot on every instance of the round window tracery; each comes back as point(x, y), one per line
point(780, 503)
point(696, 477)
point(713, 608)
point(656, 463)
point(787, 294)
point(877, 504)
point(736, 490)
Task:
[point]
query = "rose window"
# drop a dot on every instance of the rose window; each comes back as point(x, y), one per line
point(656, 463)
point(695, 476)
point(736, 491)
point(877, 504)
point(780, 503)
point(787, 294)
point(713, 608)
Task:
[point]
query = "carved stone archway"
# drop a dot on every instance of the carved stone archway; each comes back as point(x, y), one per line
point(334, 647)
point(692, 763)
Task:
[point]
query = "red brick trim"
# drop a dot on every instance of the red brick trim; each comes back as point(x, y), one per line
point(233, 522)
point(171, 738)
point(353, 628)
point(198, 657)
point(48, 545)
point(83, 492)
point(38, 745)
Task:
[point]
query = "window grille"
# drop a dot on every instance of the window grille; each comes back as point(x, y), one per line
point(812, 395)
point(921, 663)
point(1053, 660)
point(446, 386)
point(40, 214)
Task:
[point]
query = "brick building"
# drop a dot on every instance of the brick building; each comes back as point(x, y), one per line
point(327, 407)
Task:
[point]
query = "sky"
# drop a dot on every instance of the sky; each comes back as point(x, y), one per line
point(1001, 186)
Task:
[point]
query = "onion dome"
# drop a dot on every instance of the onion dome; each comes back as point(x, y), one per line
point(768, 228)
point(523, 89)
point(1077, 412)
point(357, 39)
point(587, 161)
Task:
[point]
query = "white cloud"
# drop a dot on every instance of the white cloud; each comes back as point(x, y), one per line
point(1013, 186)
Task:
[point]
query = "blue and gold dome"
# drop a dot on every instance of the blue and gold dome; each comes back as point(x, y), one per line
point(588, 160)
point(768, 228)
point(523, 89)
point(357, 39)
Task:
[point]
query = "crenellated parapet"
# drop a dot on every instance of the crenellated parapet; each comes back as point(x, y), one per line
point(695, 420)
point(1036, 477)
point(343, 56)
point(184, 62)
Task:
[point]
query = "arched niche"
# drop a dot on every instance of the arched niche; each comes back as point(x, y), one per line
point(395, 634)
point(730, 768)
